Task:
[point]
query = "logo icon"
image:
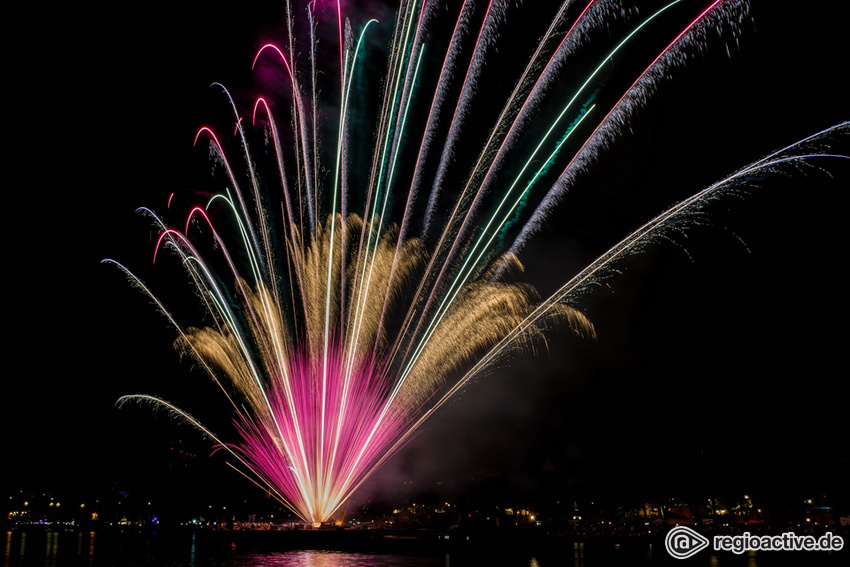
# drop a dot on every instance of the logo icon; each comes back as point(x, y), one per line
point(683, 542)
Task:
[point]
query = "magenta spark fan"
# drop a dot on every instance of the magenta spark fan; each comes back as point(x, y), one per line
point(355, 292)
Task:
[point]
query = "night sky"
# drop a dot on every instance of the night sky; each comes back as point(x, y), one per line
point(720, 356)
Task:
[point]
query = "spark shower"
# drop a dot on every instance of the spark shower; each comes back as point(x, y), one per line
point(361, 261)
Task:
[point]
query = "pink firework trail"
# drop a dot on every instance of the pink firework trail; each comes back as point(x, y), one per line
point(335, 335)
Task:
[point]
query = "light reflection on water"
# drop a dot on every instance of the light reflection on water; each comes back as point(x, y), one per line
point(334, 559)
point(578, 554)
point(93, 549)
point(88, 549)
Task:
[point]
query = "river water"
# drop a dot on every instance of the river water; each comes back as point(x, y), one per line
point(131, 549)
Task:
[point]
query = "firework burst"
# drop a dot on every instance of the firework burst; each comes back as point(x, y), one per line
point(336, 331)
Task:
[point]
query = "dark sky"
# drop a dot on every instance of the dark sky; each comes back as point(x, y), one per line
point(720, 355)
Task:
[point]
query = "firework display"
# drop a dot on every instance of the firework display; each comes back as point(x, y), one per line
point(362, 262)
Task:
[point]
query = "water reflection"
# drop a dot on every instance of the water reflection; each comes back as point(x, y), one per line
point(578, 554)
point(333, 559)
point(127, 549)
point(51, 548)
